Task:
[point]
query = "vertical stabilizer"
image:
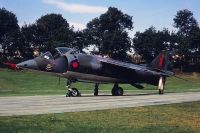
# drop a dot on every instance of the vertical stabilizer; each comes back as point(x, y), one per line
point(160, 62)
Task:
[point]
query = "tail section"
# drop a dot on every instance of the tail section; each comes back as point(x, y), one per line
point(160, 62)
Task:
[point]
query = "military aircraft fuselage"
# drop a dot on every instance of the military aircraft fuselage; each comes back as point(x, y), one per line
point(99, 69)
point(83, 67)
point(76, 66)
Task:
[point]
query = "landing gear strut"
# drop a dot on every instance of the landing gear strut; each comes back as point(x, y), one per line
point(161, 84)
point(117, 91)
point(96, 89)
point(72, 92)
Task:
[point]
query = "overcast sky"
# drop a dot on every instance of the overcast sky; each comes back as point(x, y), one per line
point(145, 13)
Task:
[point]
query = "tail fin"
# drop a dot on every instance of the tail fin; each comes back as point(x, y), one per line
point(161, 61)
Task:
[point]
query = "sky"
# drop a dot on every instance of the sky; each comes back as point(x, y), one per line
point(145, 13)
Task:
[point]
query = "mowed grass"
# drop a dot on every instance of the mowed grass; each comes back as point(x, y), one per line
point(28, 83)
point(174, 118)
point(183, 117)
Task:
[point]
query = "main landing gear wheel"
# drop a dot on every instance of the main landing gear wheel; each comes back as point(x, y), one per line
point(117, 91)
point(160, 92)
point(96, 89)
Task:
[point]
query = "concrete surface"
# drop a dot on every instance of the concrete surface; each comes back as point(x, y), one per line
point(28, 105)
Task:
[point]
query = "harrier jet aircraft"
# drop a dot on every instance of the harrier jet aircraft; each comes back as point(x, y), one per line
point(75, 66)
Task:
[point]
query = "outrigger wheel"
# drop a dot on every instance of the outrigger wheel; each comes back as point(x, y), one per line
point(161, 85)
point(117, 91)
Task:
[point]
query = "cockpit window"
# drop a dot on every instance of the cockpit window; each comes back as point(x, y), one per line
point(47, 56)
point(56, 53)
point(63, 50)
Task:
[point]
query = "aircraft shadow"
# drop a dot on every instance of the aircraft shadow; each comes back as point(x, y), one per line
point(125, 95)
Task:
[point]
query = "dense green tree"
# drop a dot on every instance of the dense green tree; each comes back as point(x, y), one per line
point(109, 33)
point(48, 32)
point(80, 40)
point(185, 22)
point(188, 29)
point(151, 42)
point(194, 40)
point(53, 30)
point(9, 31)
point(30, 39)
point(194, 46)
point(188, 37)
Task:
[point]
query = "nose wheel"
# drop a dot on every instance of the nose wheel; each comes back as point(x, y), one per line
point(72, 92)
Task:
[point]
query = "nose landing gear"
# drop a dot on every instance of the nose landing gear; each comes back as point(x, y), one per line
point(72, 92)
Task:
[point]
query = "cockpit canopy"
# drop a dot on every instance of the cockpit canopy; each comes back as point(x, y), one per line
point(47, 56)
point(59, 51)
point(63, 50)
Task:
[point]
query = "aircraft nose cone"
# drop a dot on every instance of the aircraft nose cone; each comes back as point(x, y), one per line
point(30, 64)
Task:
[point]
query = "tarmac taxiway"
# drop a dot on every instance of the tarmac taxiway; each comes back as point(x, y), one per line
point(29, 105)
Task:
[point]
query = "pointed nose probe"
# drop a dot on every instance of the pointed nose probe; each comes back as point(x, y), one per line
point(30, 64)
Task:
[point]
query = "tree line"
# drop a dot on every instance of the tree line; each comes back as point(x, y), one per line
point(108, 33)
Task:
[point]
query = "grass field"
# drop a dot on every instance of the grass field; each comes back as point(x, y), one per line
point(183, 117)
point(27, 83)
point(174, 118)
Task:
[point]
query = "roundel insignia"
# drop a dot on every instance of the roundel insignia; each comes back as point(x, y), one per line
point(75, 64)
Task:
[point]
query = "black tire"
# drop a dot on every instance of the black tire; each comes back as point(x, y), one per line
point(113, 92)
point(161, 92)
point(117, 91)
point(75, 92)
point(96, 89)
point(95, 92)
